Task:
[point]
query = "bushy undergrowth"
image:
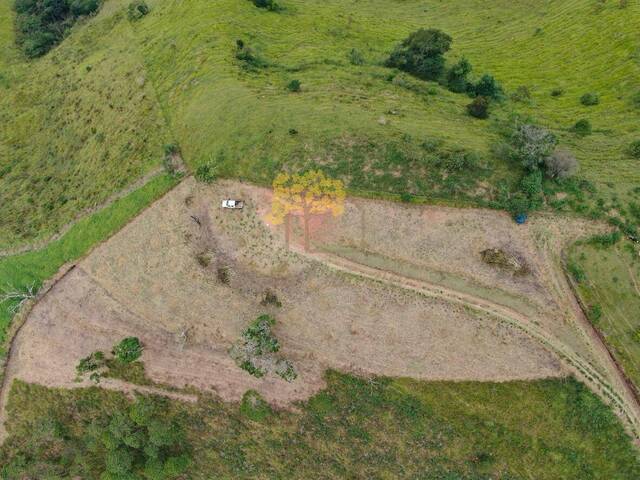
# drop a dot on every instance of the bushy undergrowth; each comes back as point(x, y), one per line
point(355, 427)
point(42, 24)
point(256, 351)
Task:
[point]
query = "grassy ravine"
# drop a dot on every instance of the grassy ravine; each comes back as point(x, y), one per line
point(357, 429)
point(35, 267)
point(85, 120)
point(609, 284)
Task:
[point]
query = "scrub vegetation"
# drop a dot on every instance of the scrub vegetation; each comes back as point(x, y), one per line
point(356, 428)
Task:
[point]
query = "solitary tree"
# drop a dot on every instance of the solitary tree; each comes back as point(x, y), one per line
point(307, 194)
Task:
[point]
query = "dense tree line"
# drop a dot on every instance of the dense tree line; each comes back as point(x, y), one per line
point(42, 24)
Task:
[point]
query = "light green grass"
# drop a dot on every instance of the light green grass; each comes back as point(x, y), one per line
point(215, 106)
point(357, 429)
point(612, 282)
point(33, 268)
point(65, 148)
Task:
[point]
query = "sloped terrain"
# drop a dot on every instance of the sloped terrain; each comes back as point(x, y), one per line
point(85, 120)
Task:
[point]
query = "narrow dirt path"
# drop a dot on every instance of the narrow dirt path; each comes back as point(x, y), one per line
point(625, 403)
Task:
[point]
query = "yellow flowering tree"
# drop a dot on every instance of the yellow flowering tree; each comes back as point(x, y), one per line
point(307, 194)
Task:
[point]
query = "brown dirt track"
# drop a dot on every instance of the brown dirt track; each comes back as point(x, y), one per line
point(379, 313)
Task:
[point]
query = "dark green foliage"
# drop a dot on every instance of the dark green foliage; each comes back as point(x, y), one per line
point(422, 53)
point(457, 76)
point(249, 60)
point(557, 92)
point(488, 87)
point(595, 313)
point(128, 350)
point(355, 57)
point(531, 184)
point(206, 173)
point(222, 273)
point(582, 127)
point(576, 272)
point(479, 107)
point(590, 99)
point(606, 239)
point(270, 5)
point(361, 428)
point(137, 9)
point(42, 24)
point(634, 149)
point(294, 85)
point(138, 443)
point(90, 363)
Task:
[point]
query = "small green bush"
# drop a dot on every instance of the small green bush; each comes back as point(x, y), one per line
point(582, 127)
point(488, 87)
point(355, 57)
point(128, 350)
point(205, 173)
point(634, 149)
point(590, 99)
point(90, 363)
point(576, 272)
point(270, 5)
point(137, 9)
point(250, 61)
point(294, 85)
point(479, 108)
point(557, 92)
point(595, 313)
point(457, 76)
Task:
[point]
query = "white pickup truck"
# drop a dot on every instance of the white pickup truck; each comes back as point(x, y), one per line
point(232, 204)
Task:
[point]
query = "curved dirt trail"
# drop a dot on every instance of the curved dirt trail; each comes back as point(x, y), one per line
point(625, 403)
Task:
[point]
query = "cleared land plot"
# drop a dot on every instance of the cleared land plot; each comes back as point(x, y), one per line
point(149, 280)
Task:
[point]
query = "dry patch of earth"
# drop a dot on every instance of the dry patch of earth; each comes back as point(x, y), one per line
point(389, 290)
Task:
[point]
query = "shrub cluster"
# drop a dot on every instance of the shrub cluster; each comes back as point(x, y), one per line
point(590, 99)
point(128, 350)
point(582, 127)
point(137, 9)
point(270, 5)
point(42, 24)
point(422, 53)
point(634, 149)
point(140, 442)
point(257, 348)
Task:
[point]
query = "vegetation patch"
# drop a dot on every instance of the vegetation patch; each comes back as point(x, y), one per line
point(505, 261)
point(41, 25)
point(256, 351)
point(363, 427)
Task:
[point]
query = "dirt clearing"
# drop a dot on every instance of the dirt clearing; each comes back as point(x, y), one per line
point(187, 277)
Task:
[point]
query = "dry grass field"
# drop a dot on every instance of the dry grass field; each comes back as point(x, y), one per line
point(148, 281)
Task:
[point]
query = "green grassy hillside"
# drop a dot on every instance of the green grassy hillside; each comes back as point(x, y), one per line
point(610, 287)
point(356, 429)
point(84, 120)
point(78, 125)
point(579, 46)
